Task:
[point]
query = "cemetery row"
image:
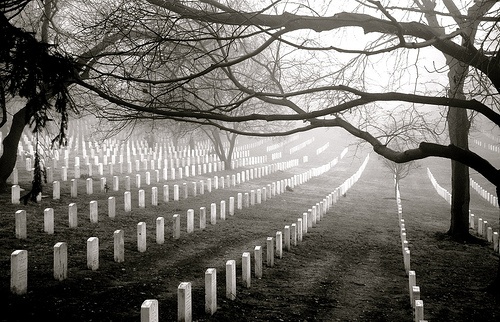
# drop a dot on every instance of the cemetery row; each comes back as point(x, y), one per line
point(417, 303)
point(60, 264)
point(482, 229)
point(293, 234)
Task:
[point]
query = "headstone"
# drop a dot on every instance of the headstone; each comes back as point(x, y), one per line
point(90, 186)
point(252, 197)
point(20, 218)
point(246, 269)
point(213, 213)
point(287, 237)
point(141, 237)
point(48, 220)
point(60, 261)
point(165, 193)
point(415, 291)
point(93, 253)
point(246, 200)
point(193, 184)
point(270, 251)
point(305, 221)
point(406, 259)
point(495, 241)
point(176, 226)
point(202, 187)
point(138, 181)
point(127, 183)
point(142, 198)
point(299, 229)
point(128, 201)
point(19, 272)
point(74, 188)
point(111, 207)
point(56, 190)
point(185, 189)
point(15, 194)
point(176, 192)
point(294, 234)
point(184, 305)
point(279, 244)
point(160, 230)
point(211, 291)
point(231, 279)
point(149, 311)
point(412, 281)
point(231, 206)
point(72, 215)
point(93, 212)
point(419, 310)
point(190, 221)
point(240, 201)
point(209, 185)
point(223, 210)
point(118, 246)
point(116, 183)
point(258, 261)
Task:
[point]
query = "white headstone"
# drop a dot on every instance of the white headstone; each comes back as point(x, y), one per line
point(149, 311)
point(210, 291)
point(270, 251)
point(19, 272)
point(231, 279)
point(246, 269)
point(141, 237)
point(213, 213)
point(258, 261)
point(94, 217)
point(60, 261)
point(190, 221)
point(48, 220)
point(20, 218)
point(72, 215)
point(119, 246)
point(93, 253)
point(128, 201)
point(184, 312)
point(160, 230)
point(176, 226)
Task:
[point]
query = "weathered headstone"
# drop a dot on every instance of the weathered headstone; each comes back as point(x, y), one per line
point(213, 213)
point(20, 219)
point(90, 186)
point(93, 253)
point(231, 279)
point(128, 201)
point(184, 310)
point(258, 261)
point(19, 272)
point(211, 291)
point(190, 221)
point(94, 215)
point(412, 281)
point(118, 246)
point(15, 194)
point(60, 261)
point(223, 210)
point(279, 244)
point(142, 198)
point(246, 269)
point(299, 229)
point(419, 310)
point(287, 237)
point(239, 201)
point(293, 230)
point(176, 226)
point(203, 218)
point(270, 251)
point(56, 190)
point(176, 192)
point(160, 230)
point(48, 220)
point(149, 311)
point(154, 196)
point(165, 193)
point(305, 221)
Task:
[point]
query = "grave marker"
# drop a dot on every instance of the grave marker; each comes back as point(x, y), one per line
point(72, 215)
point(246, 269)
point(90, 186)
point(210, 291)
point(279, 244)
point(56, 190)
point(240, 201)
point(176, 226)
point(294, 234)
point(20, 218)
point(128, 201)
point(300, 229)
point(160, 230)
point(223, 210)
point(287, 238)
point(141, 237)
point(93, 212)
point(190, 221)
point(270, 251)
point(231, 206)
point(154, 196)
point(19, 272)
point(60, 261)
point(15, 194)
point(231, 279)
point(118, 246)
point(419, 310)
point(142, 199)
point(415, 291)
point(258, 261)
point(203, 218)
point(48, 220)
point(165, 193)
point(412, 281)
point(111, 207)
point(93, 253)
point(176, 192)
point(149, 311)
point(184, 311)
point(213, 213)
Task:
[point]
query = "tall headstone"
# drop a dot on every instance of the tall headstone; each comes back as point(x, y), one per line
point(56, 190)
point(111, 207)
point(210, 291)
point(149, 311)
point(48, 220)
point(60, 261)
point(231, 279)
point(287, 237)
point(270, 251)
point(176, 226)
point(299, 229)
point(213, 213)
point(19, 272)
point(142, 198)
point(15, 194)
point(223, 210)
point(190, 221)
point(231, 206)
point(279, 244)
point(203, 218)
point(246, 269)
point(258, 261)
point(184, 310)
point(160, 230)
point(94, 217)
point(141, 237)
point(20, 218)
point(128, 201)
point(176, 192)
point(119, 246)
point(93, 253)
point(90, 186)
point(165, 193)
point(72, 215)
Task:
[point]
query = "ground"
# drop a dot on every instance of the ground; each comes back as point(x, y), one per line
point(349, 267)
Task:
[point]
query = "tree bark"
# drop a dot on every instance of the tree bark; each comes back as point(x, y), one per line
point(10, 144)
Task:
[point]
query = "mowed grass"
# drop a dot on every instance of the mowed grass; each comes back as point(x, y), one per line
point(349, 267)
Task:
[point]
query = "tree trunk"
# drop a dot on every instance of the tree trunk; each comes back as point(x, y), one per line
point(10, 144)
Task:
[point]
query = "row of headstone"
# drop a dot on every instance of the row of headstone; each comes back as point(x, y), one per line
point(278, 145)
point(482, 228)
point(416, 302)
point(491, 198)
point(322, 148)
point(283, 240)
point(489, 146)
point(300, 146)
